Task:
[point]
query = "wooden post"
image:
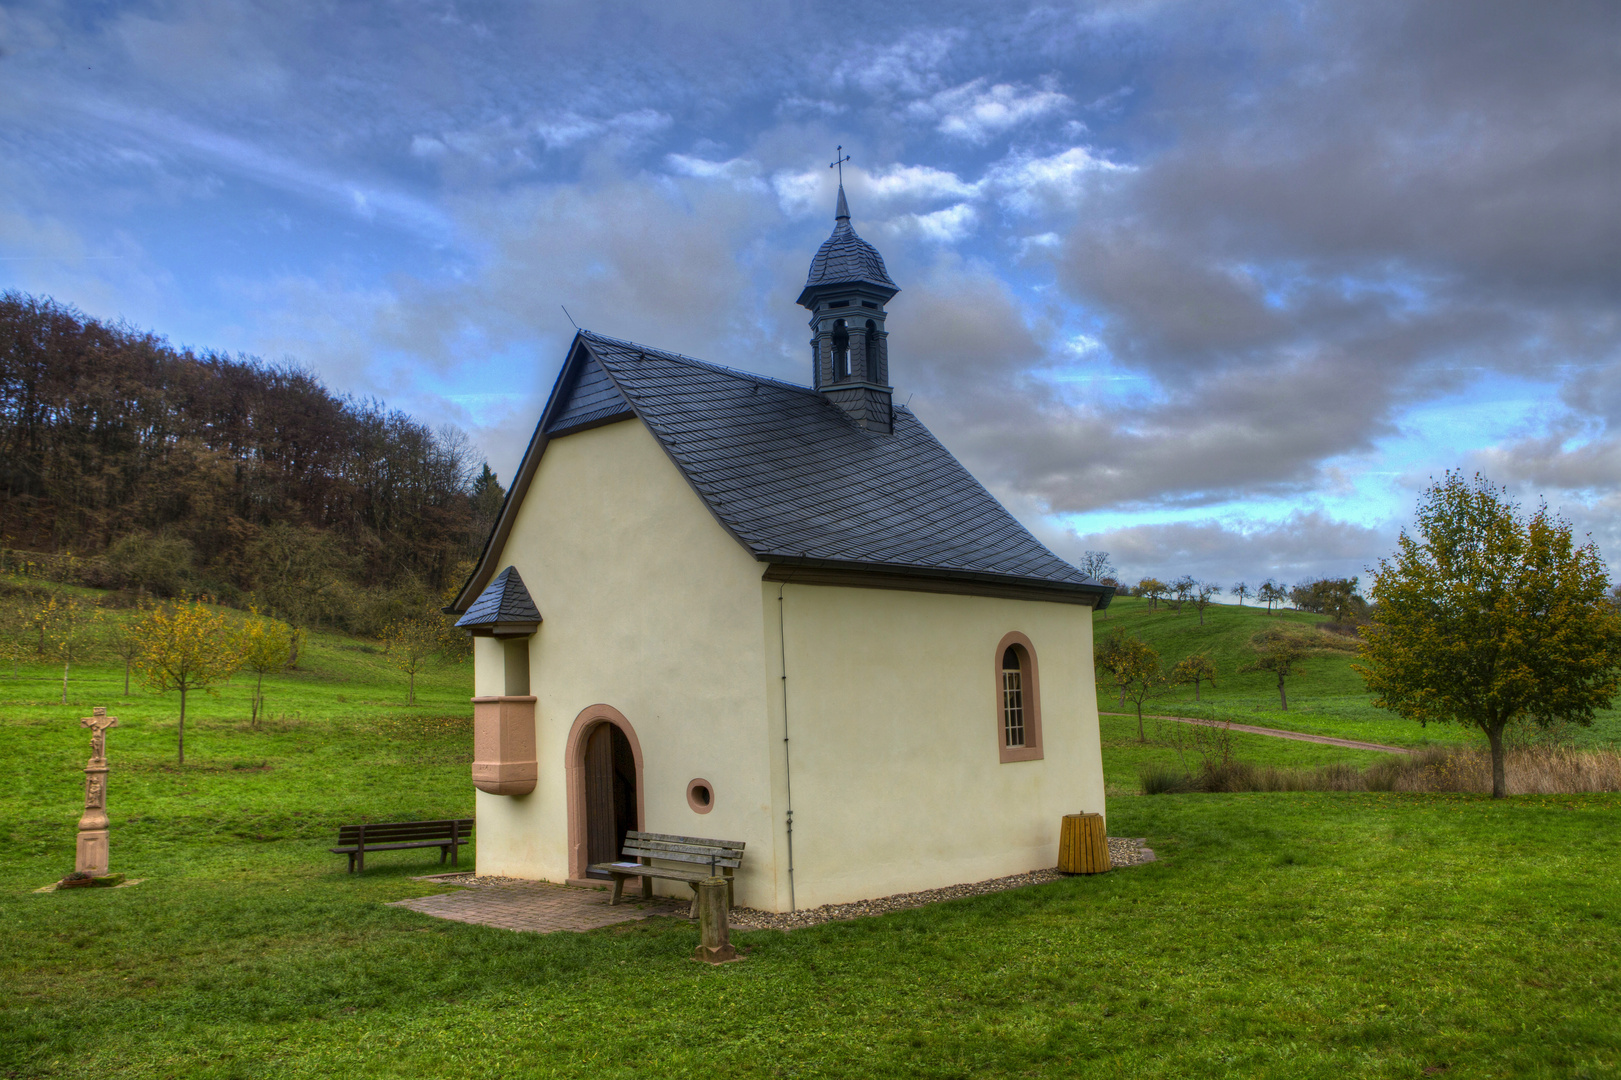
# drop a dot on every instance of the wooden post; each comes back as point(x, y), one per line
point(715, 939)
point(1083, 847)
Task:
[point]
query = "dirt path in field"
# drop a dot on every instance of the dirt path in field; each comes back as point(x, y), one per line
point(1279, 733)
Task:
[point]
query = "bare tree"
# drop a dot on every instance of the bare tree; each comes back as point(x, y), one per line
point(1204, 594)
point(1242, 590)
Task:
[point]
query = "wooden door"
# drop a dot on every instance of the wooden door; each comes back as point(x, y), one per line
point(601, 827)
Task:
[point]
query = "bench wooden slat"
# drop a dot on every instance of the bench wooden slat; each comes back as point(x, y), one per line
point(344, 850)
point(673, 873)
point(651, 846)
point(669, 838)
point(678, 856)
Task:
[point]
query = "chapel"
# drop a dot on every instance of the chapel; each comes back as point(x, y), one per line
point(717, 604)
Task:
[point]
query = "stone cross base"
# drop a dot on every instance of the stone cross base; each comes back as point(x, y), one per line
point(92, 852)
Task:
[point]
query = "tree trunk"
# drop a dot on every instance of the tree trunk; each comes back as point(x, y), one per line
point(1140, 736)
point(1201, 614)
point(1122, 697)
point(1195, 690)
point(1283, 698)
point(1499, 785)
point(126, 676)
point(258, 697)
point(65, 664)
point(411, 698)
point(182, 743)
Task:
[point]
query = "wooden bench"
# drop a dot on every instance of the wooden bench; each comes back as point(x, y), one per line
point(448, 836)
point(703, 859)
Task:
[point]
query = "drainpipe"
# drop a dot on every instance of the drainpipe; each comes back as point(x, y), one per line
point(787, 757)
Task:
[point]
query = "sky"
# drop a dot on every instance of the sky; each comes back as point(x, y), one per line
point(1217, 288)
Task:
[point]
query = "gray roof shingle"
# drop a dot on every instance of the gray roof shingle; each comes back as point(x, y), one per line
point(505, 600)
point(844, 258)
point(796, 481)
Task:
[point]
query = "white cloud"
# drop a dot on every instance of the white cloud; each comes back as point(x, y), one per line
point(569, 129)
point(1025, 183)
point(737, 170)
point(942, 227)
point(975, 112)
point(907, 66)
point(912, 182)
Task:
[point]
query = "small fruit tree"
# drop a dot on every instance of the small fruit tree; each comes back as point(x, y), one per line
point(185, 646)
point(266, 647)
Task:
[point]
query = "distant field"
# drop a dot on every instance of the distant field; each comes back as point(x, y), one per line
point(1326, 697)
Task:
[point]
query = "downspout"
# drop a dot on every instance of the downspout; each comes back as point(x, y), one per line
point(787, 757)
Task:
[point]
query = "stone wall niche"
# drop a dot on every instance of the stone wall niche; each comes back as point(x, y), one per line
point(504, 760)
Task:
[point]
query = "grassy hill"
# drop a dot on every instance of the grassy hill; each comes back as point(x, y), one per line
point(1326, 697)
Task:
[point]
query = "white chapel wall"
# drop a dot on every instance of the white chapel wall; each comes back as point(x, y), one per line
point(650, 607)
point(893, 716)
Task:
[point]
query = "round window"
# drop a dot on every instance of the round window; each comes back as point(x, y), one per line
point(700, 796)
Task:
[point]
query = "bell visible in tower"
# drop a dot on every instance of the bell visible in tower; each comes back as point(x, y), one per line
point(845, 292)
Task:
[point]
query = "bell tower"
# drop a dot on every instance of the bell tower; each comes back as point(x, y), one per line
point(845, 292)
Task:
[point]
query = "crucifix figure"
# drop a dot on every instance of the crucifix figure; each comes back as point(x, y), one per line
point(839, 164)
point(98, 723)
point(92, 855)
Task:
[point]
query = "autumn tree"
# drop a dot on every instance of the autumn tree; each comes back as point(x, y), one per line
point(266, 648)
point(1106, 655)
point(67, 628)
point(1271, 593)
point(1139, 673)
point(409, 644)
point(1280, 652)
point(185, 646)
point(124, 641)
point(1242, 590)
point(1195, 669)
point(1153, 589)
point(1486, 617)
point(1204, 594)
point(1182, 589)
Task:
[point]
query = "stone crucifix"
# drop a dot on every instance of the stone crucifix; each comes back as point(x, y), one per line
point(92, 855)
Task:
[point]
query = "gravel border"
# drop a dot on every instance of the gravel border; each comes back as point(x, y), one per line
point(1123, 853)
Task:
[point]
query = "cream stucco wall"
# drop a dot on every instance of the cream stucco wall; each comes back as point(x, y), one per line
point(649, 606)
point(897, 785)
point(893, 724)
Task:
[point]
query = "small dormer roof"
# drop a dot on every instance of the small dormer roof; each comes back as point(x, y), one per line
point(503, 609)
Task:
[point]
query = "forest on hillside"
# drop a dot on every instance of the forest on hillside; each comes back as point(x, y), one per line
point(127, 462)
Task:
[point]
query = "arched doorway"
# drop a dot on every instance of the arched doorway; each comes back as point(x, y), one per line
point(610, 793)
point(604, 763)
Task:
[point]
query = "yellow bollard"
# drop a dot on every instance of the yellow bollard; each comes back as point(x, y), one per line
point(1083, 846)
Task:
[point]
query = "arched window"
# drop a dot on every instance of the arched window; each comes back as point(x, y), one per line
point(1012, 700)
point(841, 351)
point(872, 352)
point(1018, 699)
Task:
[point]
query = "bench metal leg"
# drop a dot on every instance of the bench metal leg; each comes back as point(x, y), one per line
point(351, 862)
point(693, 914)
point(455, 850)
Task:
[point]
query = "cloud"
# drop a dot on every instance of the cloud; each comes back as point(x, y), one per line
point(1026, 183)
point(941, 227)
point(977, 111)
point(1299, 547)
point(563, 131)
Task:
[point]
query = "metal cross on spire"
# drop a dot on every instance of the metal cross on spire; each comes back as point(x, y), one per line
point(839, 164)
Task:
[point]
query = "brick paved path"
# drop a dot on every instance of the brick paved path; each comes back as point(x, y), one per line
point(538, 907)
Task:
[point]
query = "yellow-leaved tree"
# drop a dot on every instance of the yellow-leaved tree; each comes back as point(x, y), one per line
point(266, 648)
point(1486, 617)
point(67, 626)
point(409, 644)
point(185, 646)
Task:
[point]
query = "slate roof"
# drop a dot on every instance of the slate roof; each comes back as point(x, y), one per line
point(796, 481)
point(845, 258)
point(504, 601)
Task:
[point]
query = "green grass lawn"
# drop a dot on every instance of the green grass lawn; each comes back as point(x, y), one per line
point(1326, 697)
point(1287, 935)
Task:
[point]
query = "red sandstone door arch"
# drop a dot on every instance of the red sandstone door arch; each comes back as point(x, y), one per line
point(604, 762)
